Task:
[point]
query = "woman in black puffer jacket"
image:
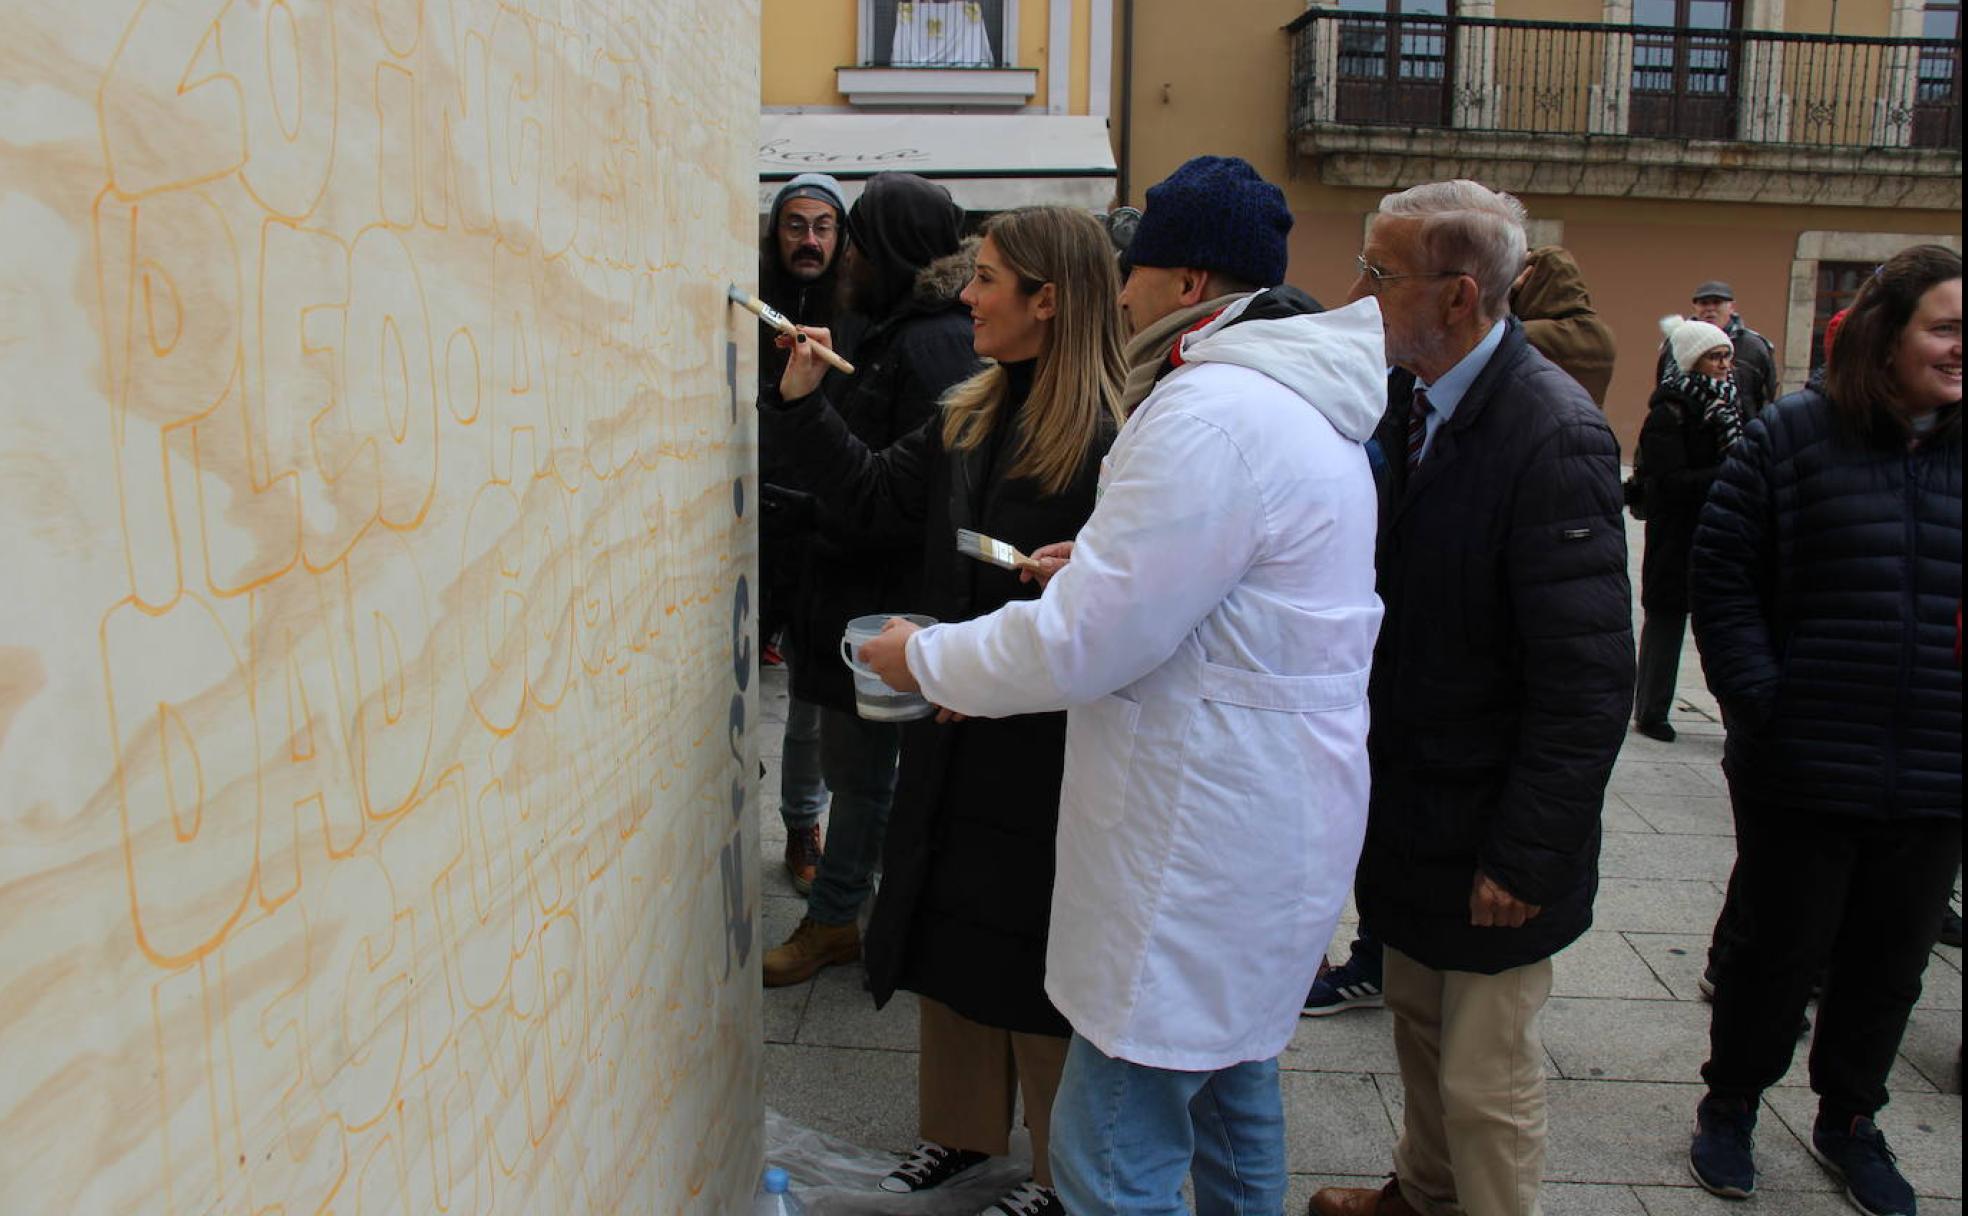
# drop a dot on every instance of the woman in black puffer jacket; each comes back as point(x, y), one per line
point(1826, 589)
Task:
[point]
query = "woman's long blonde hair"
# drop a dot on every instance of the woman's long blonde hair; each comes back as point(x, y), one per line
point(1076, 387)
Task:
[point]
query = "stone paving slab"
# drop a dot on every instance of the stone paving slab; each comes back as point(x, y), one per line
point(1676, 959)
point(843, 1014)
point(1636, 1133)
point(1656, 855)
point(784, 1007)
point(1356, 1041)
point(1336, 1122)
point(867, 1097)
point(1683, 814)
point(1602, 963)
point(1657, 905)
point(1691, 1200)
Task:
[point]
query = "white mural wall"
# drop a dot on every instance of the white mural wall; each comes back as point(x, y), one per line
point(376, 658)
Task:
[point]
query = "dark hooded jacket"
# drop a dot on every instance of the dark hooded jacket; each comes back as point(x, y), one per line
point(1826, 603)
point(1560, 322)
point(786, 516)
point(917, 347)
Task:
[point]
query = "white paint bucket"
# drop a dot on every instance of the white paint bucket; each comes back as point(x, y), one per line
point(873, 699)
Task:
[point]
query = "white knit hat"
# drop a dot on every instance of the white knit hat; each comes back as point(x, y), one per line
point(1690, 340)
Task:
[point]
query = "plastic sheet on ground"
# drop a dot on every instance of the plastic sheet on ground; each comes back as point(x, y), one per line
point(833, 1177)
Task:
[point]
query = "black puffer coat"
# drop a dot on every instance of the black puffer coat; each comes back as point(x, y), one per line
point(1503, 674)
point(904, 364)
point(1678, 458)
point(1827, 588)
point(968, 866)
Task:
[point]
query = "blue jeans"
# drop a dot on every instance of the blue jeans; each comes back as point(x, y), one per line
point(1124, 1135)
point(857, 758)
point(802, 791)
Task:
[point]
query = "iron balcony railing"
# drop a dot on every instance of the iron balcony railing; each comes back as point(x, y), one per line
point(1571, 78)
point(935, 34)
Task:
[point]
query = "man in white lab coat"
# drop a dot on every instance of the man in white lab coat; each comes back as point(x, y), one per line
point(1210, 634)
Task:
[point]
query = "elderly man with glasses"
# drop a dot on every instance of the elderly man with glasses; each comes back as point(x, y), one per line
point(1501, 682)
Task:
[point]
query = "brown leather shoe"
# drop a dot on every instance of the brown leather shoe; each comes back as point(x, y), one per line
point(803, 856)
point(811, 947)
point(1359, 1201)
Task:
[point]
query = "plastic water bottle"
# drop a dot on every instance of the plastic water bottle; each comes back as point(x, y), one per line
point(775, 1197)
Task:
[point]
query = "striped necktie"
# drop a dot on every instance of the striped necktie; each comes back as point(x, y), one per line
point(1417, 427)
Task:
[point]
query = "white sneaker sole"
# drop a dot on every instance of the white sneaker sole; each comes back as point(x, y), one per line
point(1365, 1002)
point(1724, 1192)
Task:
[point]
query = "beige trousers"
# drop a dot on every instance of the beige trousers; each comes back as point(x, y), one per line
point(1472, 1068)
point(969, 1077)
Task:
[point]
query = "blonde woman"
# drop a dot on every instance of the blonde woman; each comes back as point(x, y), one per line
point(968, 865)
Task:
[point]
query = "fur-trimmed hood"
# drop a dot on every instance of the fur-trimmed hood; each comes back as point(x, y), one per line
point(940, 283)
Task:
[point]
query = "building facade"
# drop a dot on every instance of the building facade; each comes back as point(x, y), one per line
point(1785, 146)
point(1005, 101)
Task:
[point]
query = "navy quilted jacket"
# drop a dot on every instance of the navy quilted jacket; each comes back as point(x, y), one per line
point(1503, 674)
point(1826, 597)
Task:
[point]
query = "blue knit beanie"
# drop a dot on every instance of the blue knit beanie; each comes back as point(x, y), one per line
point(1215, 213)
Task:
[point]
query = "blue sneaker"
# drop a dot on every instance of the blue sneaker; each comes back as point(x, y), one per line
point(1723, 1155)
point(1857, 1155)
point(1351, 985)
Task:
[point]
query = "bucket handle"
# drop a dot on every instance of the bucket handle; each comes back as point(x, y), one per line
point(847, 657)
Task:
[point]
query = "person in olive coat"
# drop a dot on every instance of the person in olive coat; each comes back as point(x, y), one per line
point(969, 861)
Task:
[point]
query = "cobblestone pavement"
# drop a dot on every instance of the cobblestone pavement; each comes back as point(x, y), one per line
point(1624, 1034)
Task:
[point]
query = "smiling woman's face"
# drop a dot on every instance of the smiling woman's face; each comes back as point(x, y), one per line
point(1927, 354)
point(1007, 323)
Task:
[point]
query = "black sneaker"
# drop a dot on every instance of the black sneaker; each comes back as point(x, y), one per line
point(1660, 731)
point(1723, 1155)
point(1951, 928)
point(1858, 1157)
point(1029, 1199)
point(1347, 986)
point(929, 1164)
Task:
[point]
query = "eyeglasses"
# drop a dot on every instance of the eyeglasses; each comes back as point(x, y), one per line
point(796, 227)
point(1380, 276)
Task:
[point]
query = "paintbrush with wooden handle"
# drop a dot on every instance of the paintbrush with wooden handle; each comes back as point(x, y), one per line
point(777, 320)
point(995, 552)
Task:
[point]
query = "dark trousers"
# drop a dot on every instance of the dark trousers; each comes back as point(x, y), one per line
point(1660, 662)
point(1861, 898)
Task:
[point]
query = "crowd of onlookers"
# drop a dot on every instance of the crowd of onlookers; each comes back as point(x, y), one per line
point(1308, 601)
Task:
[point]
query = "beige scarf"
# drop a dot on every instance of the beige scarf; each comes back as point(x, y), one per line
point(1148, 350)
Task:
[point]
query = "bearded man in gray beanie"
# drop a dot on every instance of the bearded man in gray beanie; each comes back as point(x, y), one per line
point(1208, 633)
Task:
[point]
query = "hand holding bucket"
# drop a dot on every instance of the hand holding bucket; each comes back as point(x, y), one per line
point(873, 698)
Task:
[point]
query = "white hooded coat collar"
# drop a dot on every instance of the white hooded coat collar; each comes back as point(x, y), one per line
point(1334, 360)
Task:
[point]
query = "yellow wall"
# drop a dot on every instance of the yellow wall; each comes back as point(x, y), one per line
point(801, 42)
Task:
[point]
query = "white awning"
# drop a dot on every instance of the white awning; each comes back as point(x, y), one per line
point(989, 162)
